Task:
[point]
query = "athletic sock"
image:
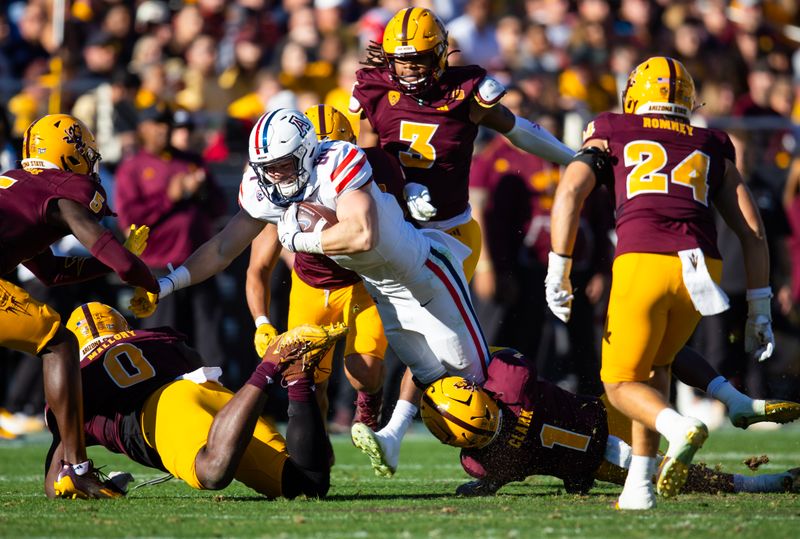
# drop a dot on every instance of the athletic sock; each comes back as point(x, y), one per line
point(736, 401)
point(773, 482)
point(401, 419)
point(638, 492)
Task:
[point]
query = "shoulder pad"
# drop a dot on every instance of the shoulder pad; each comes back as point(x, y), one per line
point(490, 91)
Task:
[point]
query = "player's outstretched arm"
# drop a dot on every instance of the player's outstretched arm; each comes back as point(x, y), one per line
point(264, 253)
point(104, 246)
point(524, 134)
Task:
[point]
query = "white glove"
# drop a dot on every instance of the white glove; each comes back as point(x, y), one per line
point(759, 341)
point(418, 200)
point(557, 288)
point(293, 238)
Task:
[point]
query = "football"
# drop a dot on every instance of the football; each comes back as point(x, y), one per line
point(313, 217)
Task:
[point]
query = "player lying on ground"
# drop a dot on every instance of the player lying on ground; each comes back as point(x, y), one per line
point(148, 397)
point(518, 425)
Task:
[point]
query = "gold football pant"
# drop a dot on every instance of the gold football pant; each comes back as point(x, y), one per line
point(470, 235)
point(26, 324)
point(650, 315)
point(176, 420)
point(351, 305)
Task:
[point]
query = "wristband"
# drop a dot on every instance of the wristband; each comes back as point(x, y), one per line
point(261, 320)
point(175, 280)
point(307, 242)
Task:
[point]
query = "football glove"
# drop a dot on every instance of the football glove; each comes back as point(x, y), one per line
point(265, 334)
point(557, 287)
point(143, 303)
point(418, 200)
point(303, 345)
point(759, 342)
point(137, 239)
point(288, 227)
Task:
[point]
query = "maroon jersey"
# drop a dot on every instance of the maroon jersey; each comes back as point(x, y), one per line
point(24, 200)
point(320, 271)
point(666, 173)
point(544, 429)
point(433, 138)
point(119, 376)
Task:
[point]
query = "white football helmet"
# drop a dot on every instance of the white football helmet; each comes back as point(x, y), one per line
point(282, 147)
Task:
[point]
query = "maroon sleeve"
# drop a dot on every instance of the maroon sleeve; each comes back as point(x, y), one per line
point(127, 265)
point(728, 150)
point(511, 377)
point(132, 206)
point(59, 270)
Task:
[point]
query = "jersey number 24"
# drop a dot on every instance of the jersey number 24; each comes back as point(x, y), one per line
point(648, 159)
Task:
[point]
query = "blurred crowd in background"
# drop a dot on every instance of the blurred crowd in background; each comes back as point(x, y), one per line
point(181, 83)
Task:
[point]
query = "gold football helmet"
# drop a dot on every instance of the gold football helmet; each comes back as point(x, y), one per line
point(330, 123)
point(61, 141)
point(659, 85)
point(93, 322)
point(415, 34)
point(460, 413)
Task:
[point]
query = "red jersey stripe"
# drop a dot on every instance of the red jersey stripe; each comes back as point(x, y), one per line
point(349, 157)
point(353, 171)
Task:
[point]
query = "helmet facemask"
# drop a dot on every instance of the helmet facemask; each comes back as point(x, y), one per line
point(283, 146)
point(414, 84)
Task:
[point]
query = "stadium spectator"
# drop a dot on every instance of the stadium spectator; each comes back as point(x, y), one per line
point(173, 193)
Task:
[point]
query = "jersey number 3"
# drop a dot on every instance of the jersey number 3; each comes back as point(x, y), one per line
point(421, 153)
point(648, 158)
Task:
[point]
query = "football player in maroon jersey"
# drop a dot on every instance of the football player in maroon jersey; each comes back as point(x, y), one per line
point(57, 192)
point(517, 425)
point(664, 174)
point(149, 397)
point(427, 113)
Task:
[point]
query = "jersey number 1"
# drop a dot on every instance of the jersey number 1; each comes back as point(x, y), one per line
point(551, 436)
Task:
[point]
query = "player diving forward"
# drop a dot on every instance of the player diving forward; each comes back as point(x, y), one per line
point(148, 397)
point(57, 192)
point(517, 425)
point(415, 276)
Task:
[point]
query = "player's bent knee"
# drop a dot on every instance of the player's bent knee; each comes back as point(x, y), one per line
point(213, 473)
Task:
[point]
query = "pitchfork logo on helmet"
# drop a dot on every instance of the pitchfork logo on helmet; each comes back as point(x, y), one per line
point(460, 413)
point(659, 85)
point(61, 141)
point(417, 35)
point(282, 148)
point(94, 322)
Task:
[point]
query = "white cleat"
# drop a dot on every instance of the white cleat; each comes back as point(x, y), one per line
point(675, 466)
point(636, 498)
point(383, 453)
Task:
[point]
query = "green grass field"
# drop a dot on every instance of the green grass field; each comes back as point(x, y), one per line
point(417, 502)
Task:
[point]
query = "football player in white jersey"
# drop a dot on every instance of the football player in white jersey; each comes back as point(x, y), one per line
point(415, 276)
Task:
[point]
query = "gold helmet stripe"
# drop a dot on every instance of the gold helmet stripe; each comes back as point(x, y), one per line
point(87, 314)
point(453, 419)
point(673, 78)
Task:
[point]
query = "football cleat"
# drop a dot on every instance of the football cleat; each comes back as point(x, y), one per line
point(368, 409)
point(775, 411)
point(7, 435)
point(479, 487)
point(636, 498)
point(675, 466)
point(383, 462)
point(91, 485)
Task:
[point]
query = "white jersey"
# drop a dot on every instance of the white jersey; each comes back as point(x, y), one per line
point(415, 276)
point(342, 167)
